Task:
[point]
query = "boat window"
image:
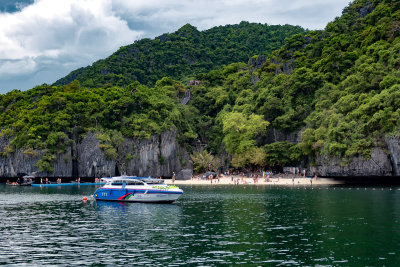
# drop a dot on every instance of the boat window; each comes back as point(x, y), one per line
point(154, 181)
point(134, 182)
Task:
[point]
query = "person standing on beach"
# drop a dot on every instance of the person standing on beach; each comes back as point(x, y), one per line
point(173, 177)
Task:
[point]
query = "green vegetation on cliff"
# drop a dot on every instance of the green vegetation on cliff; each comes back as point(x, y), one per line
point(50, 117)
point(339, 88)
point(182, 54)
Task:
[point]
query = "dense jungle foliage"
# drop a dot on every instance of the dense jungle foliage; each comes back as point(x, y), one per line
point(51, 117)
point(338, 87)
point(183, 54)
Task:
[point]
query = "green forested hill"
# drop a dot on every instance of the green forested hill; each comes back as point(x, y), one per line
point(50, 118)
point(339, 87)
point(182, 54)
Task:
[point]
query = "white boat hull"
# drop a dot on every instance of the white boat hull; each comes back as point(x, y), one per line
point(132, 195)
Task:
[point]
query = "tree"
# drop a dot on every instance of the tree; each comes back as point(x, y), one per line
point(203, 161)
point(240, 132)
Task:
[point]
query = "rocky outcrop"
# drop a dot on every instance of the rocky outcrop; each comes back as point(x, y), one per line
point(156, 156)
point(22, 162)
point(159, 155)
point(383, 162)
point(257, 61)
point(393, 145)
point(92, 161)
point(184, 174)
point(366, 9)
point(285, 67)
point(378, 165)
point(274, 135)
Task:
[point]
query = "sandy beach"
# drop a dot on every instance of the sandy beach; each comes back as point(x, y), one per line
point(226, 180)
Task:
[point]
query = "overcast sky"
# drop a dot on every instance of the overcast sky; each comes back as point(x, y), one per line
point(43, 40)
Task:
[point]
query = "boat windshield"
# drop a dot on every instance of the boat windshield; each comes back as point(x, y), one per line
point(127, 182)
point(133, 180)
point(153, 181)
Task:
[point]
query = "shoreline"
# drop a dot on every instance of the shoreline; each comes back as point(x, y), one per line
point(227, 180)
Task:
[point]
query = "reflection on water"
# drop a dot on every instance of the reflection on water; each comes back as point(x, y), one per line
point(144, 219)
point(207, 226)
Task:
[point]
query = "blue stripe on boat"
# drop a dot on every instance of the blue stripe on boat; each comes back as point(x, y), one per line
point(66, 184)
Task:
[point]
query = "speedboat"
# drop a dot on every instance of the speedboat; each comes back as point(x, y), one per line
point(137, 189)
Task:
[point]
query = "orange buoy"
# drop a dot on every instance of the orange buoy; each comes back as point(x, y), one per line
point(84, 198)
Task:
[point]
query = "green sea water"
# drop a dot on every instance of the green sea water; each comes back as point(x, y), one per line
point(208, 226)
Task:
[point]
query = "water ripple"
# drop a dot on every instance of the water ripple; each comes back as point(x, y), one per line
point(222, 225)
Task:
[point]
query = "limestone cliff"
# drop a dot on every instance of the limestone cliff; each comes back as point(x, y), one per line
point(158, 156)
point(161, 155)
point(384, 161)
point(393, 144)
point(378, 165)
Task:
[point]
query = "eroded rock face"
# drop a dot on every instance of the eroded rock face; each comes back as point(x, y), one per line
point(274, 135)
point(184, 174)
point(393, 144)
point(366, 9)
point(158, 156)
point(91, 159)
point(378, 165)
point(257, 62)
point(383, 162)
point(161, 155)
point(21, 162)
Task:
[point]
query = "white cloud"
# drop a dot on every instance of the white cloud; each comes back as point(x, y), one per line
point(43, 34)
point(312, 14)
point(49, 38)
point(22, 66)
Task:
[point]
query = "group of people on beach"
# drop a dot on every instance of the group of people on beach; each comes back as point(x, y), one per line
point(256, 177)
point(211, 177)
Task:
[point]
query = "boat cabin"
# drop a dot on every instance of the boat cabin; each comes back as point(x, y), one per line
point(120, 181)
